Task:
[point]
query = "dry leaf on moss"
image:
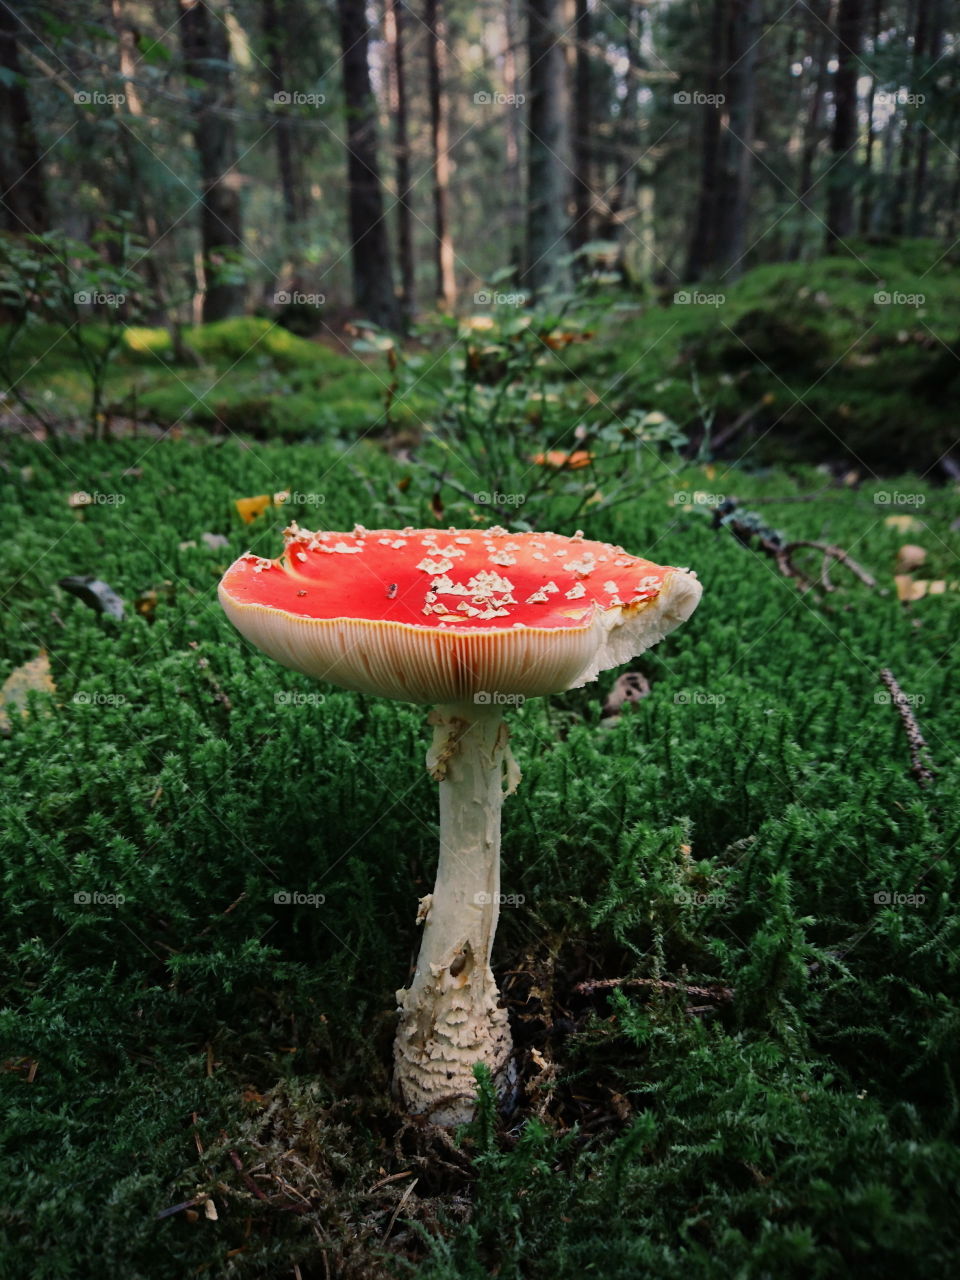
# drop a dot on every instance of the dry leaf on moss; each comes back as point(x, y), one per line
point(32, 675)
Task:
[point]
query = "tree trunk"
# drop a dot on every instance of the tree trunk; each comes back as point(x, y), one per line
point(933, 41)
point(842, 181)
point(739, 87)
point(291, 186)
point(702, 251)
point(23, 206)
point(513, 175)
point(206, 55)
point(370, 248)
point(814, 123)
point(440, 141)
point(866, 198)
point(546, 151)
point(582, 121)
point(394, 34)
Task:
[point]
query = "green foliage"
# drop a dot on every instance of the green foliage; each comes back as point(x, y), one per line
point(734, 828)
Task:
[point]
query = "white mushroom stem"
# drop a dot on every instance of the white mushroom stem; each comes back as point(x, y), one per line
point(450, 1015)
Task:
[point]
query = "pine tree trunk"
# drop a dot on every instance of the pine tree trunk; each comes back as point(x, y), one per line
point(547, 146)
point(23, 206)
point(291, 187)
point(580, 231)
point(739, 87)
point(206, 54)
point(929, 53)
point(842, 181)
point(702, 252)
point(370, 248)
point(440, 140)
point(395, 36)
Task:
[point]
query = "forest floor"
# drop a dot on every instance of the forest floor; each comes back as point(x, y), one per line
point(196, 1073)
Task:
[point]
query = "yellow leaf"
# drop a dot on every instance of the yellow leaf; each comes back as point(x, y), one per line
point(34, 674)
point(250, 508)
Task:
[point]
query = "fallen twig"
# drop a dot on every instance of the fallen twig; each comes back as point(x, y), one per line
point(715, 992)
point(915, 739)
point(400, 1203)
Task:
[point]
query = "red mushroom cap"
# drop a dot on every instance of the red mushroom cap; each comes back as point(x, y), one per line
point(437, 616)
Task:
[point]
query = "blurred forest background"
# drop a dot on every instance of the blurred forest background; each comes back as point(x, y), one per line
point(396, 156)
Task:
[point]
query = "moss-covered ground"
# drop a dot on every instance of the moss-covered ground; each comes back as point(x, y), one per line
point(751, 828)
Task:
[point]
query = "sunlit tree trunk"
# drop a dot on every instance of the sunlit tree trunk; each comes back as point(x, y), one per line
point(440, 139)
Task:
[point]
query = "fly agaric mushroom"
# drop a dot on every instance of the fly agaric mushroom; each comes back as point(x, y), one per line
point(468, 621)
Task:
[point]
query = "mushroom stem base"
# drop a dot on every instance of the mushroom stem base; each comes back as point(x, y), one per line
point(450, 1016)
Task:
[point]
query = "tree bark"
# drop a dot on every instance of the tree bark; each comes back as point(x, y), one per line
point(370, 249)
point(395, 36)
point(206, 55)
point(842, 181)
point(580, 231)
point(737, 133)
point(933, 41)
point(291, 186)
point(440, 141)
point(702, 251)
point(813, 129)
point(547, 146)
point(23, 206)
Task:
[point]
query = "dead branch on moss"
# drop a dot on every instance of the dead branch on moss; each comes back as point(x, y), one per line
point(715, 992)
point(747, 527)
point(915, 739)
